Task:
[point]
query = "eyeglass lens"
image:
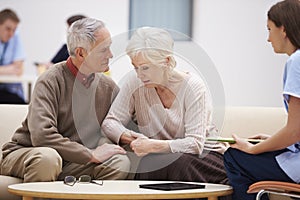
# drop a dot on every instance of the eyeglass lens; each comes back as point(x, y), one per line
point(70, 180)
point(84, 179)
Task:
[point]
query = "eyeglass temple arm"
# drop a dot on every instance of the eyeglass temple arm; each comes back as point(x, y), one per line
point(92, 181)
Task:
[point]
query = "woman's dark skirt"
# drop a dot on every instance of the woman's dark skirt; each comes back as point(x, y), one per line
point(206, 168)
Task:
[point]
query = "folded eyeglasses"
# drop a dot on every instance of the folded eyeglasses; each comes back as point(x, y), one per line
point(71, 180)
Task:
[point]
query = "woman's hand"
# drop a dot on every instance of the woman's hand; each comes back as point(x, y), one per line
point(141, 146)
point(241, 144)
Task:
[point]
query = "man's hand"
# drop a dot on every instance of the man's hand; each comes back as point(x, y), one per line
point(106, 151)
point(128, 137)
point(137, 135)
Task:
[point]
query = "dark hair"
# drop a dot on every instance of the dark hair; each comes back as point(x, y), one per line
point(287, 14)
point(74, 18)
point(8, 14)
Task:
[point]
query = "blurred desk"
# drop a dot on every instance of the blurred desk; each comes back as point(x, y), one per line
point(26, 80)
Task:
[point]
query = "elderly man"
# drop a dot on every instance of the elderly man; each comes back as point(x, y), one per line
point(61, 135)
point(11, 57)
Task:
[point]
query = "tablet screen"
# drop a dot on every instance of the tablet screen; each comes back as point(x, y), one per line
point(172, 186)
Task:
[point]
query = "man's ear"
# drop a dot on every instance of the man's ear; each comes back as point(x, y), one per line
point(80, 53)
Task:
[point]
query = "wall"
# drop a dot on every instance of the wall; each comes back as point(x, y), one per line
point(232, 32)
point(43, 22)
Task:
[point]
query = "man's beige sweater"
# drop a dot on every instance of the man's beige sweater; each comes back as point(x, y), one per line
point(65, 115)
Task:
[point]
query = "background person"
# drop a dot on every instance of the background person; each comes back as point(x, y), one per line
point(61, 134)
point(62, 53)
point(278, 157)
point(11, 57)
point(172, 110)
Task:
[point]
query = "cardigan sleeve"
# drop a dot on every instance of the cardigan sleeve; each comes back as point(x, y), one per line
point(122, 110)
point(197, 118)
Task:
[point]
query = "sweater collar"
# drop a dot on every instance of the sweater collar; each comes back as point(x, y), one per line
point(86, 80)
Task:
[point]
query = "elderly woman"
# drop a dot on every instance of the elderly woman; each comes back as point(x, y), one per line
point(172, 110)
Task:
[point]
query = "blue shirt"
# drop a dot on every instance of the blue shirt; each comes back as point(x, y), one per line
point(10, 52)
point(290, 161)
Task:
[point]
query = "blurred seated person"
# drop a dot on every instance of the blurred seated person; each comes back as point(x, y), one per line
point(173, 113)
point(63, 53)
point(11, 57)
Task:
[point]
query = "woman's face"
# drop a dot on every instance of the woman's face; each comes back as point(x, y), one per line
point(277, 37)
point(152, 75)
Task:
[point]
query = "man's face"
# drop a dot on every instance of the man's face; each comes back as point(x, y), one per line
point(97, 59)
point(7, 30)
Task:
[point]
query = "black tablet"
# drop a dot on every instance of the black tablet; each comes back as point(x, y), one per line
point(172, 186)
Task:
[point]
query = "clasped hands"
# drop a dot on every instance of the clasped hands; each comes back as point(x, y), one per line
point(139, 143)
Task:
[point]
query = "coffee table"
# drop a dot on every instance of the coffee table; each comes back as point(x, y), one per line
point(113, 189)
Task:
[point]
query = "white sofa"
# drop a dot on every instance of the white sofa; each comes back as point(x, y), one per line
point(244, 121)
point(247, 121)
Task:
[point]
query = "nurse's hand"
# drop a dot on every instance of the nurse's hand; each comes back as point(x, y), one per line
point(241, 144)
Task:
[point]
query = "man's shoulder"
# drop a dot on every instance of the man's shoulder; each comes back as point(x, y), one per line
point(53, 73)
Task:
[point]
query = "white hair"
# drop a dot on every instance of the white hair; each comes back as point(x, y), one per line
point(153, 44)
point(82, 34)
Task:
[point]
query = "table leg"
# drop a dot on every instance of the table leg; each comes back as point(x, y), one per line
point(29, 92)
point(27, 198)
point(212, 198)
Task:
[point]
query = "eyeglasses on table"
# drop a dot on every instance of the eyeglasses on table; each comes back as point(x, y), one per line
point(71, 180)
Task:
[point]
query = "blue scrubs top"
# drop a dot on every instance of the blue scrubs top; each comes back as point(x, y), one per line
point(9, 52)
point(290, 161)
